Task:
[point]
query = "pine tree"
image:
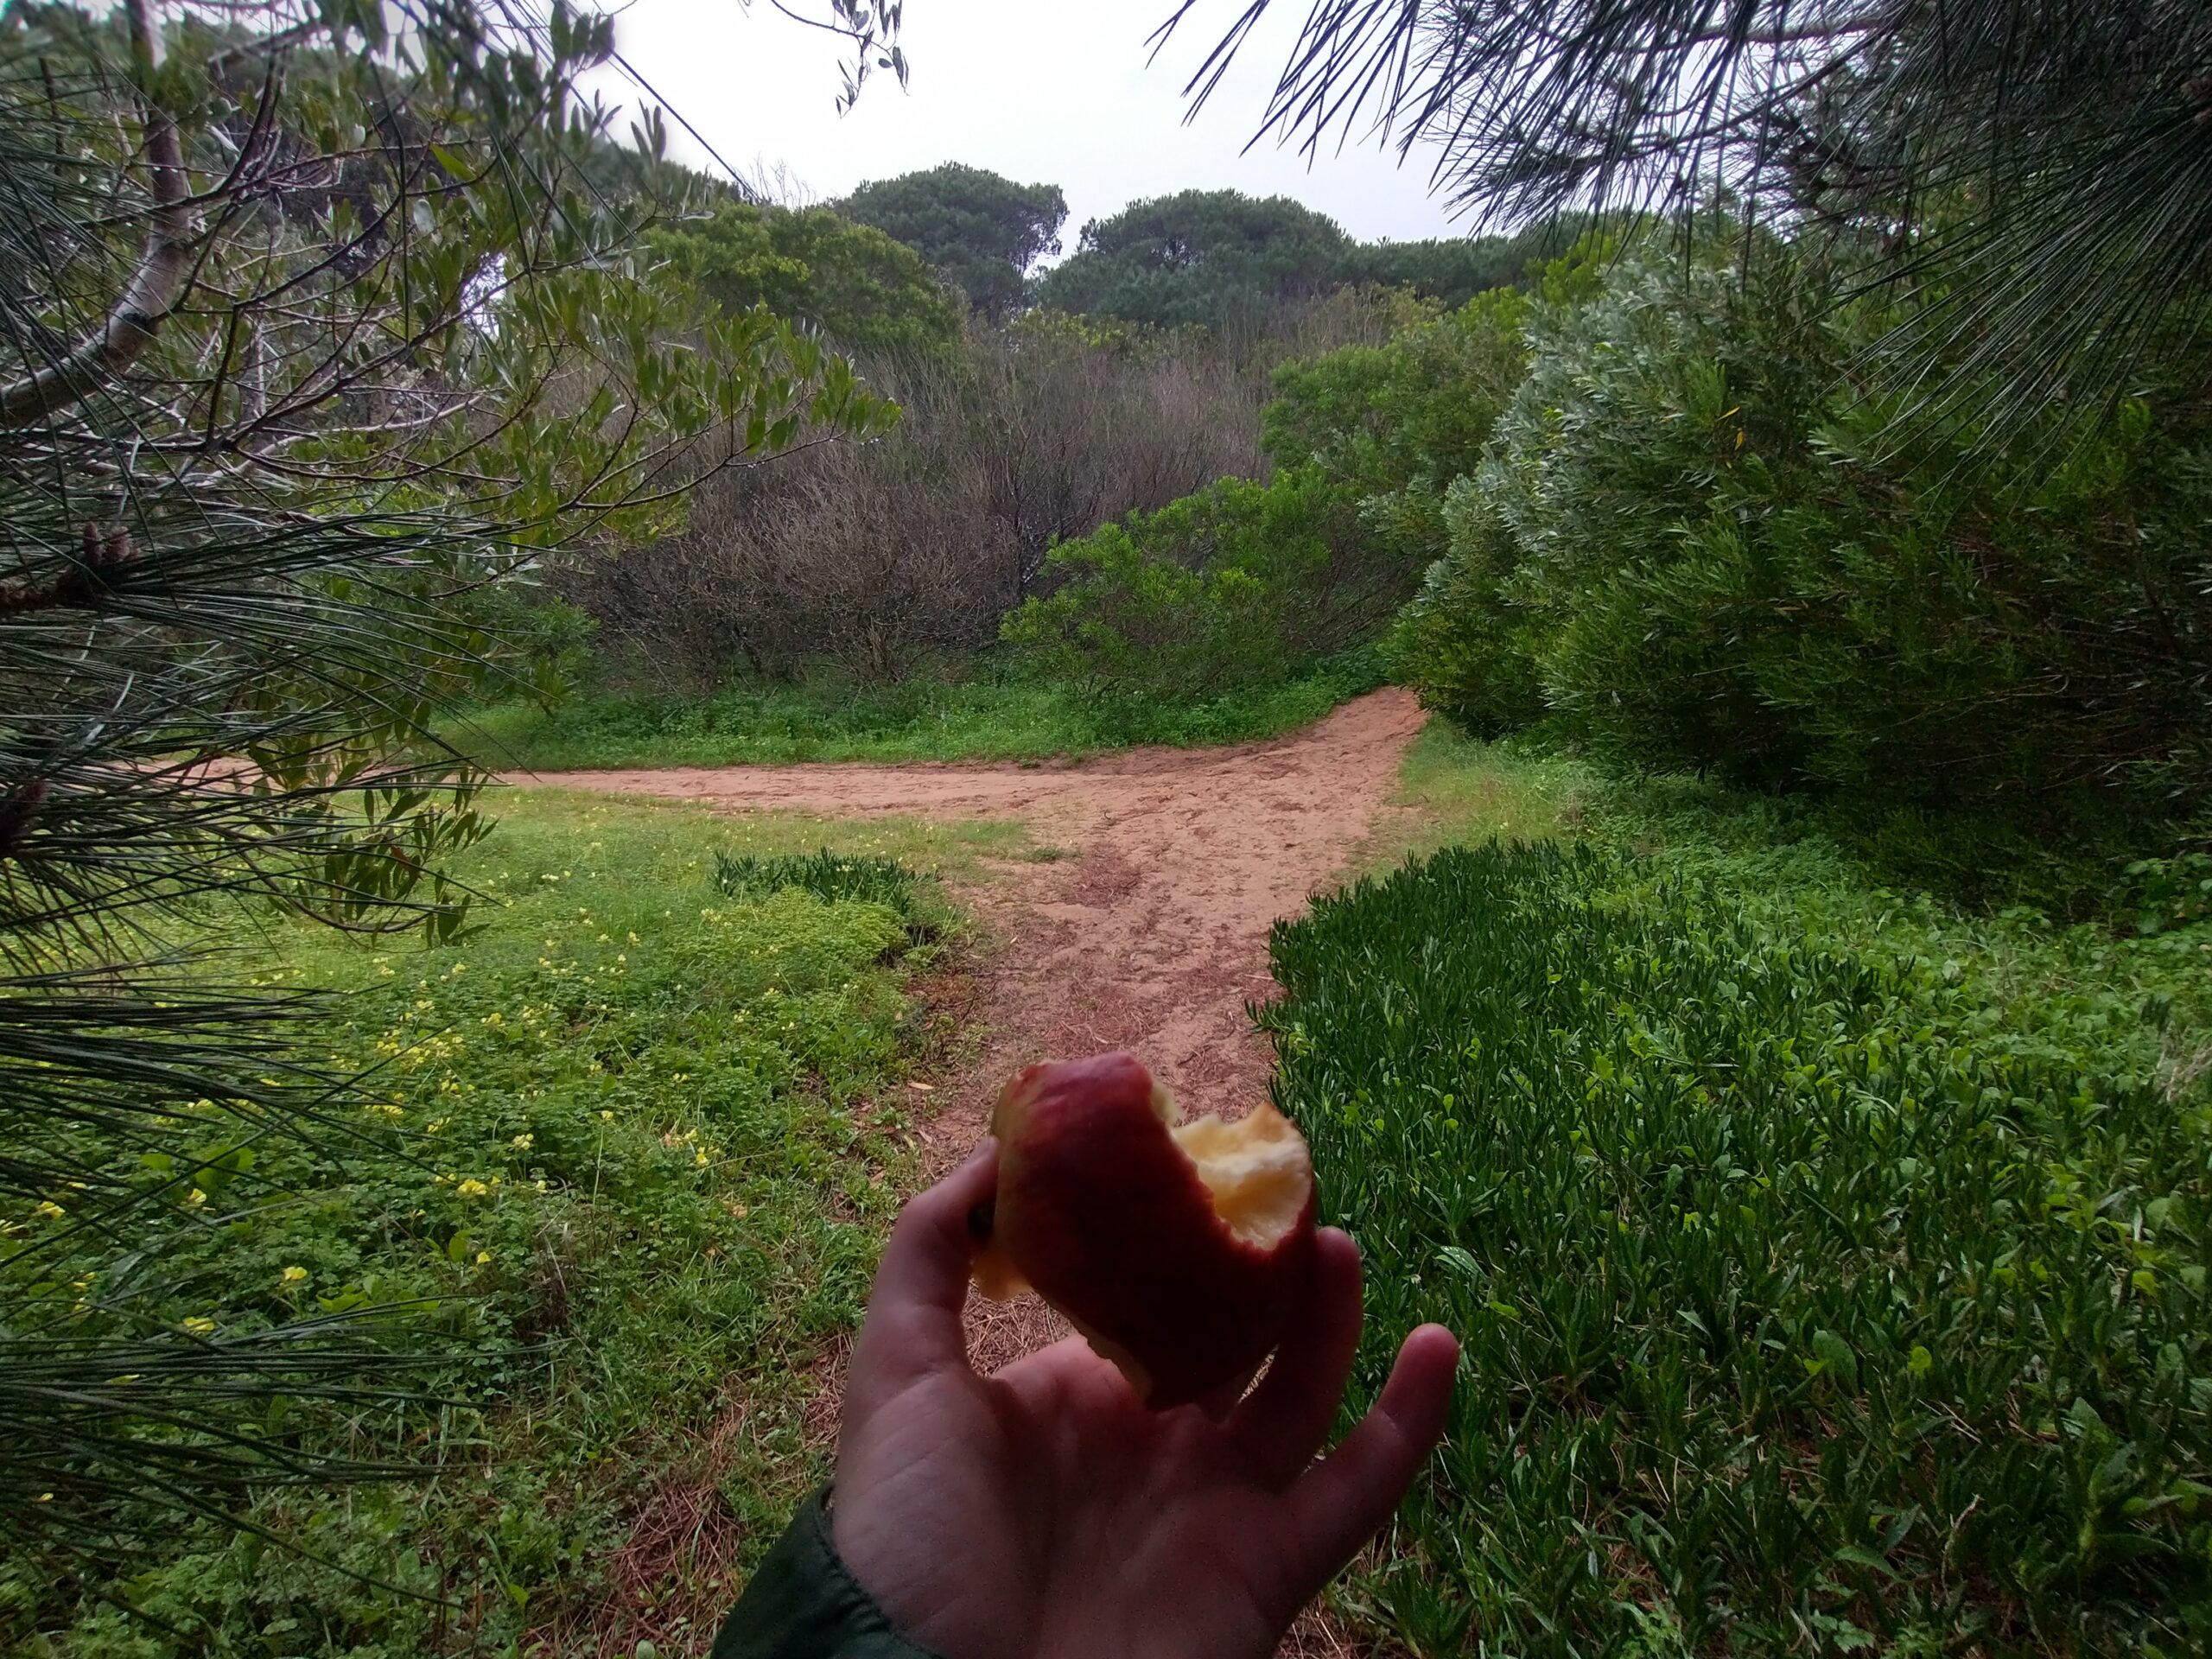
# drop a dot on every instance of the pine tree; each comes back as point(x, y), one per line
point(314, 326)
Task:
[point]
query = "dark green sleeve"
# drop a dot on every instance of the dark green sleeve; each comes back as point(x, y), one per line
point(802, 1604)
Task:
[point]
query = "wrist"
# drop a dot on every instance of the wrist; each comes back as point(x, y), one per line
point(805, 1601)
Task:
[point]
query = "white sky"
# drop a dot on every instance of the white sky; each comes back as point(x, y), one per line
point(1052, 92)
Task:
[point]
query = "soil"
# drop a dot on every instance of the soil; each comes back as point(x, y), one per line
point(1148, 931)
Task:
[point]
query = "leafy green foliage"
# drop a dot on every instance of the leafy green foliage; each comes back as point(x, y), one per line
point(1223, 261)
point(982, 231)
point(274, 396)
point(865, 291)
point(1393, 425)
point(1814, 1294)
point(922, 718)
point(1462, 640)
point(1241, 585)
point(1215, 259)
point(2037, 175)
point(1456, 268)
point(1690, 532)
point(610, 1179)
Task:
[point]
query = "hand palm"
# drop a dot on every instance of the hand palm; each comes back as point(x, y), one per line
point(1044, 1511)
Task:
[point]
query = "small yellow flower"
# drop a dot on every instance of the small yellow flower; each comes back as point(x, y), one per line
point(194, 1199)
point(199, 1326)
point(700, 1158)
point(296, 1276)
point(606, 1117)
point(472, 1188)
point(50, 1211)
point(634, 939)
point(522, 1143)
point(482, 1257)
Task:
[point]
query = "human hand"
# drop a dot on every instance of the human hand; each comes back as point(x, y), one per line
point(1044, 1513)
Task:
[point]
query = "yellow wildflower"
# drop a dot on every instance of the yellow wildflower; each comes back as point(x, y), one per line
point(295, 1275)
point(522, 1143)
point(472, 1188)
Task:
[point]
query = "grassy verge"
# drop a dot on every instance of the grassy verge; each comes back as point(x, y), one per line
point(1831, 1261)
point(916, 719)
point(1453, 788)
point(627, 1155)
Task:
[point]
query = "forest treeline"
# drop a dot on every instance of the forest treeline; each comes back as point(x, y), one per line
point(1655, 486)
point(1036, 407)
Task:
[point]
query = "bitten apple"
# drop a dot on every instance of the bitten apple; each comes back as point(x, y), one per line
point(1179, 1249)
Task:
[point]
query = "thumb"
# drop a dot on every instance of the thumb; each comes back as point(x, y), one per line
point(1340, 1503)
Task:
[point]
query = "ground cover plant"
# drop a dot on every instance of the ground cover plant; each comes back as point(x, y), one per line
point(1830, 1261)
point(977, 719)
point(615, 1180)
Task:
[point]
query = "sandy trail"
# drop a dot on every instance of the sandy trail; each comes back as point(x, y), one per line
point(1150, 934)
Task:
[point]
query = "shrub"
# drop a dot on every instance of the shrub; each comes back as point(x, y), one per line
point(1242, 584)
point(1471, 653)
point(1394, 424)
point(1810, 1300)
point(1710, 560)
point(1127, 621)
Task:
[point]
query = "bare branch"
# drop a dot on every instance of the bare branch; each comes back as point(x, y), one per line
point(155, 286)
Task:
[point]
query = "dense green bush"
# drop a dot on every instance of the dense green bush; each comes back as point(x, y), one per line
point(1691, 535)
point(863, 291)
point(1242, 584)
point(1812, 1300)
point(1394, 424)
point(1461, 639)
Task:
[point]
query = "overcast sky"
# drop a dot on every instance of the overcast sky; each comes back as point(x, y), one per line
point(1053, 91)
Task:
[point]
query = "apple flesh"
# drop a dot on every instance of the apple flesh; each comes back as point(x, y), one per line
point(1179, 1249)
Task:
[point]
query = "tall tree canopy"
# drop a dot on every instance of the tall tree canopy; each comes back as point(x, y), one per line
point(866, 292)
point(1213, 257)
point(982, 229)
point(2038, 171)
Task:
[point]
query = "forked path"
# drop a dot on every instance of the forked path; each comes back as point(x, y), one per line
point(1152, 934)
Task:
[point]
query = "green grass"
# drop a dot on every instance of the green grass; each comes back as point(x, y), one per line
point(914, 720)
point(1452, 787)
point(1831, 1261)
point(626, 1159)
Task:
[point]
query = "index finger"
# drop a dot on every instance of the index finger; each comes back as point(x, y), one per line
point(921, 1283)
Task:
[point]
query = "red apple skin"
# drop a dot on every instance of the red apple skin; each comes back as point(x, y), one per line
point(1101, 1211)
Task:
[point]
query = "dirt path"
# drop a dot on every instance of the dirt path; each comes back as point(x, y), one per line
point(1151, 934)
